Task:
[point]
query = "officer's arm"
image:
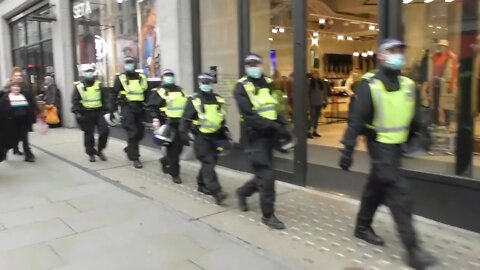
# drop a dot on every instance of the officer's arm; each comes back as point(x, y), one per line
point(117, 87)
point(105, 94)
point(250, 117)
point(362, 110)
point(76, 105)
point(155, 102)
point(189, 114)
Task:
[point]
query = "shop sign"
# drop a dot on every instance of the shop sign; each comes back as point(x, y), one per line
point(100, 47)
point(82, 9)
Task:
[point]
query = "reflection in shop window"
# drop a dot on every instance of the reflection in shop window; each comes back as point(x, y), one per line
point(108, 31)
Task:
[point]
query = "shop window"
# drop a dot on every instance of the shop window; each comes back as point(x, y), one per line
point(33, 32)
point(18, 34)
point(433, 34)
point(45, 30)
point(107, 31)
point(19, 57)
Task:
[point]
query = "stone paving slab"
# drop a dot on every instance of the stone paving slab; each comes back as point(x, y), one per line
point(319, 225)
point(36, 257)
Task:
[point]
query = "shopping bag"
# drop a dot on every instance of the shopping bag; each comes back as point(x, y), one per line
point(41, 126)
point(52, 116)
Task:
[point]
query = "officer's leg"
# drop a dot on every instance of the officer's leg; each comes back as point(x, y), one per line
point(103, 132)
point(312, 118)
point(263, 167)
point(174, 152)
point(207, 156)
point(251, 186)
point(198, 149)
point(128, 123)
point(88, 126)
point(372, 197)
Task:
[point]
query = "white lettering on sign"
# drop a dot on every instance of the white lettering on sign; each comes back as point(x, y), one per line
point(100, 47)
point(82, 9)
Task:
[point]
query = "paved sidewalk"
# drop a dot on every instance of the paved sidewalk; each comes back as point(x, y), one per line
point(319, 224)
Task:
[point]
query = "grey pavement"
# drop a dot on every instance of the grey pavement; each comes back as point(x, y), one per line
point(66, 213)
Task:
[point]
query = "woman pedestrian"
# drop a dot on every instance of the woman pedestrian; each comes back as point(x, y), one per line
point(52, 98)
point(19, 109)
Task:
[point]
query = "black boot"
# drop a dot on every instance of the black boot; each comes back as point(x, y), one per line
point(367, 234)
point(177, 180)
point(315, 134)
point(92, 158)
point(137, 164)
point(220, 197)
point(17, 151)
point(29, 157)
point(242, 202)
point(309, 135)
point(204, 190)
point(101, 156)
point(164, 166)
point(420, 259)
point(273, 222)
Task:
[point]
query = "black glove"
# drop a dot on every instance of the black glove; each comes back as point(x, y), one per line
point(346, 160)
point(79, 116)
point(112, 116)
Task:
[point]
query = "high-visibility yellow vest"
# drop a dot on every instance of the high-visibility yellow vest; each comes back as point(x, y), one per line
point(91, 97)
point(210, 116)
point(393, 111)
point(133, 89)
point(264, 104)
point(175, 102)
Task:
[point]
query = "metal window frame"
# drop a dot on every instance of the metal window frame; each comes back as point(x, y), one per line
point(196, 40)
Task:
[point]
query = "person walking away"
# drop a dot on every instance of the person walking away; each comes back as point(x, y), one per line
point(386, 111)
point(20, 110)
point(318, 96)
point(52, 97)
point(253, 94)
point(130, 92)
point(17, 77)
point(166, 107)
point(89, 104)
point(206, 110)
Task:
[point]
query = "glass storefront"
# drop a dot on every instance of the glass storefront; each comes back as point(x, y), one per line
point(107, 31)
point(32, 47)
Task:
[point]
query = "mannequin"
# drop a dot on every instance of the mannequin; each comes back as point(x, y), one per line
point(443, 82)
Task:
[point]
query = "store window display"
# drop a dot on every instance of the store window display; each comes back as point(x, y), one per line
point(107, 32)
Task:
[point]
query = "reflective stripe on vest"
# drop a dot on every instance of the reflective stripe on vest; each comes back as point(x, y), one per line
point(133, 89)
point(264, 104)
point(210, 116)
point(175, 102)
point(91, 98)
point(393, 111)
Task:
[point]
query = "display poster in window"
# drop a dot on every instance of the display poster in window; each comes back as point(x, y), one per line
point(148, 36)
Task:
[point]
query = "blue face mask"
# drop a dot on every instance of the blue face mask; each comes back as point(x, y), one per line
point(130, 67)
point(89, 75)
point(254, 72)
point(395, 61)
point(207, 88)
point(168, 79)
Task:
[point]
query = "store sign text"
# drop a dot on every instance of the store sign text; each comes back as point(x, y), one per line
point(100, 47)
point(82, 9)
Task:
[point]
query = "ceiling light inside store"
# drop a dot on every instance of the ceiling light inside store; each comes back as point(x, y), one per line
point(370, 53)
point(428, 1)
point(439, 27)
point(314, 41)
point(449, 1)
point(341, 37)
point(281, 30)
point(431, 26)
point(315, 34)
point(119, 1)
point(364, 54)
point(274, 30)
point(322, 21)
point(407, 1)
point(271, 39)
point(349, 38)
point(356, 54)
point(371, 27)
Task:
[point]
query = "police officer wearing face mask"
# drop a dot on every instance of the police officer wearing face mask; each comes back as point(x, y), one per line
point(257, 106)
point(130, 91)
point(206, 110)
point(166, 106)
point(386, 111)
point(89, 103)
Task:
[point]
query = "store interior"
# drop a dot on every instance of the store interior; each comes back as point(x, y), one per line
point(342, 37)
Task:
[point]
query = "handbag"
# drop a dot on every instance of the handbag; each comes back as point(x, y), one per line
point(52, 116)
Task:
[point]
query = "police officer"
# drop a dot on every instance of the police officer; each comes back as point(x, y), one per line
point(130, 91)
point(207, 112)
point(386, 111)
point(257, 106)
point(89, 104)
point(166, 106)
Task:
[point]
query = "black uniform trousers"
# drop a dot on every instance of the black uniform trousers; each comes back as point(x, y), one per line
point(386, 186)
point(206, 153)
point(90, 120)
point(261, 151)
point(172, 158)
point(132, 121)
point(21, 128)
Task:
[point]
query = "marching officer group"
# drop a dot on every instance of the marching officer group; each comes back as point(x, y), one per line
point(179, 119)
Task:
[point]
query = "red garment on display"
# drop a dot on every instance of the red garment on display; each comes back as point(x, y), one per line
point(440, 61)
